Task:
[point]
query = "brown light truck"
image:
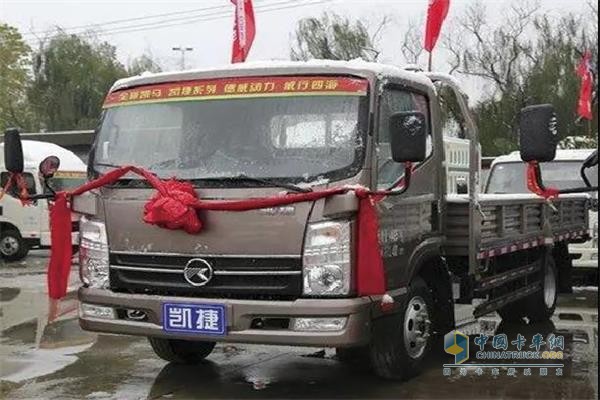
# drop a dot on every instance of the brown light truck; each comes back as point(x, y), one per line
point(286, 275)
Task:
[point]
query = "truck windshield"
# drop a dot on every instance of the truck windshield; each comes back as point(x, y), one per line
point(294, 138)
point(511, 177)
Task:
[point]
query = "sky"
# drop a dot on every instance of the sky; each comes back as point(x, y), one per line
point(208, 29)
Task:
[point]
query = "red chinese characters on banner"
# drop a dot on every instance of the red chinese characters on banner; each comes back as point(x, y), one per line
point(238, 87)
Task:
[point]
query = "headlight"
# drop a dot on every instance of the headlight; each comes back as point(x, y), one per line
point(93, 253)
point(327, 259)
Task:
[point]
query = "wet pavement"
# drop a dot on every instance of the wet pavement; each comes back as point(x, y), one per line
point(44, 354)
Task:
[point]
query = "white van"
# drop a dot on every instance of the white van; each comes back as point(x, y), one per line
point(24, 228)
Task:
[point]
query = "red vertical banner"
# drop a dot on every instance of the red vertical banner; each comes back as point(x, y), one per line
point(436, 14)
point(244, 30)
point(584, 70)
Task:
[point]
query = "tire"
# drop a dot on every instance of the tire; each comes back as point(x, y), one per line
point(536, 307)
point(564, 267)
point(181, 351)
point(12, 245)
point(541, 305)
point(398, 351)
point(513, 312)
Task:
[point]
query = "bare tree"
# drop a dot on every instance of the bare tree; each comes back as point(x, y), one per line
point(495, 53)
point(412, 43)
point(335, 38)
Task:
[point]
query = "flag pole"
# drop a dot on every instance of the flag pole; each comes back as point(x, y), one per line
point(430, 62)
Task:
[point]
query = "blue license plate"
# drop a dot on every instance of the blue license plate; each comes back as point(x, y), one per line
point(206, 319)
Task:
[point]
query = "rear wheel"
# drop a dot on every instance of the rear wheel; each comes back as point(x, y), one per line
point(402, 341)
point(181, 351)
point(12, 245)
point(541, 304)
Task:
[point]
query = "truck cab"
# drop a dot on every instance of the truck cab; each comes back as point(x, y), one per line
point(25, 228)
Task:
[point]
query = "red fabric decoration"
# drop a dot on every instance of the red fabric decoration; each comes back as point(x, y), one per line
point(175, 209)
point(59, 266)
point(436, 14)
point(533, 182)
point(244, 30)
point(584, 70)
point(175, 206)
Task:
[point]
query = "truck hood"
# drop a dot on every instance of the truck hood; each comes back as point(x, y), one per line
point(277, 231)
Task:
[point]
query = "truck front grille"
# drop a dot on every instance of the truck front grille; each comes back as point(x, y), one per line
point(234, 277)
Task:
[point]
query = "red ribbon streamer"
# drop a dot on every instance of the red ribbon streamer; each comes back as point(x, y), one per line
point(244, 30)
point(436, 14)
point(174, 207)
point(534, 185)
point(585, 73)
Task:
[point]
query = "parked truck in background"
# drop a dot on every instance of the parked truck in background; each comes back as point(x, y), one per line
point(507, 176)
point(288, 275)
point(25, 228)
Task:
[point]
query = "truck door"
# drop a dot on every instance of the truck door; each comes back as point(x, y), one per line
point(406, 221)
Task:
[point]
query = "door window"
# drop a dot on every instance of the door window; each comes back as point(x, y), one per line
point(394, 101)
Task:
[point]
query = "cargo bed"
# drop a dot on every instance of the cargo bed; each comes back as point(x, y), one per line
point(509, 223)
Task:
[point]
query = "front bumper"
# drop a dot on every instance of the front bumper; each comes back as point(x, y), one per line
point(240, 314)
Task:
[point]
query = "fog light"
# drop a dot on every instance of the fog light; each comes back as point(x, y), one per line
point(136, 315)
point(594, 256)
point(319, 324)
point(93, 311)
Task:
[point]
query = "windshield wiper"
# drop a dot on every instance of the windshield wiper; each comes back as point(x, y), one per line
point(101, 164)
point(265, 182)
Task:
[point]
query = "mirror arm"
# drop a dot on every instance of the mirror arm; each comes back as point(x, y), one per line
point(589, 189)
point(47, 186)
point(408, 171)
point(584, 177)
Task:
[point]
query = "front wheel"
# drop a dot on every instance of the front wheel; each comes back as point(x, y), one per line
point(12, 245)
point(181, 351)
point(402, 341)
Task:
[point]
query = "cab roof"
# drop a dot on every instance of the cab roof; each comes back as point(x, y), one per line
point(561, 155)
point(34, 152)
point(359, 68)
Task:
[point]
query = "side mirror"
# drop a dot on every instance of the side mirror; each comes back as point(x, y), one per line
point(13, 151)
point(49, 166)
point(538, 134)
point(408, 136)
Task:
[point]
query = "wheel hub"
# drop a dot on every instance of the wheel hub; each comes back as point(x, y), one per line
point(416, 327)
point(9, 246)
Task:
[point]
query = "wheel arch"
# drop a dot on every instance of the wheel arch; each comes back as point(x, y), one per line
point(8, 226)
point(428, 263)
